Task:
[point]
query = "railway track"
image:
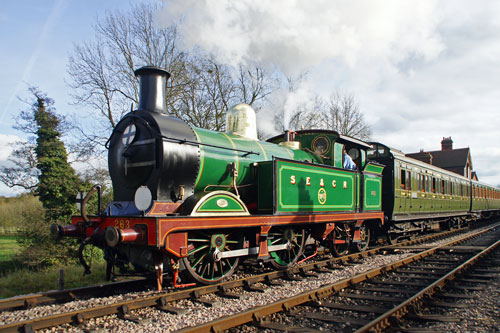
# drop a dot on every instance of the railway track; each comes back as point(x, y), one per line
point(68, 295)
point(164, 301)
point(63, 296)
point(381, 298)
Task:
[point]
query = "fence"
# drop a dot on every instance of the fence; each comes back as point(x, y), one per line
point(9, 231)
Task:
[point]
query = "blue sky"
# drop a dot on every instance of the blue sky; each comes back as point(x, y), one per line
point(37, 38)
point(420, 70)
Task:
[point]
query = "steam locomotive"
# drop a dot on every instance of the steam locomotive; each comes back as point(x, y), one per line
point(191, 203)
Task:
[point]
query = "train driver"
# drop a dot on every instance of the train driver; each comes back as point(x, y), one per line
point(348, 162)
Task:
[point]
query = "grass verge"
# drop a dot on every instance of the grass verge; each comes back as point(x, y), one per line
point(8, 247)
point(22, 281)
point(18, 280)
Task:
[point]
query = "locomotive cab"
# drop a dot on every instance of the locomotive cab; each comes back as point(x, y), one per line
point(329, 146)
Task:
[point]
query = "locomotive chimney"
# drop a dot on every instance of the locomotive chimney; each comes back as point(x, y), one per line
point(152, 85)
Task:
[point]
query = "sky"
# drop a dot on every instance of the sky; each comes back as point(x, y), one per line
point(420, 70)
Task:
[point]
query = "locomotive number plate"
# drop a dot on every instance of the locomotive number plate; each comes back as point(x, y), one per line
point(122, 224)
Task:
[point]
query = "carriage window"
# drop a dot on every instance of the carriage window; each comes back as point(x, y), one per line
point(434, 185)
point(408, 181)
point(442, 186)
point(403, 179)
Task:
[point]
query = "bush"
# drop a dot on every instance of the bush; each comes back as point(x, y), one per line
point(39, 250)
point(13, 210)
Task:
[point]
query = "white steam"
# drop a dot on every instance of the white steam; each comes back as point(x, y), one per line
point(302, 36)
point(296, 35)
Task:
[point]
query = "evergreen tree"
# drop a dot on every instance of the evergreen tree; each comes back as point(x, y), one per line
point(41, 166)
point(57, 181)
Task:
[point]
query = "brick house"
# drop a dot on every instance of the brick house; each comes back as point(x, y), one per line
point(455, 160)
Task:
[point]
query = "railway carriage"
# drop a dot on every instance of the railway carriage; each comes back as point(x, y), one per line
point(418, 196)
point(485, 198)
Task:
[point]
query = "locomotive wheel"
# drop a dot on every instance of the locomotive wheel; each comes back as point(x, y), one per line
point(340, 240)
point(294, 238)
point(204, 262)
point(364, 234)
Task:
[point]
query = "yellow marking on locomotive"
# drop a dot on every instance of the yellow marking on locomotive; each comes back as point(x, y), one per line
point(122, 224)
point(202, 160)
point(263, 150)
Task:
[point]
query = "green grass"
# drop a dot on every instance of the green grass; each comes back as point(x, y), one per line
point(16, 280)
point(8, 247)
point(23, 281)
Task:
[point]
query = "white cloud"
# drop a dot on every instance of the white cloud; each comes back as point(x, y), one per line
point(295, 35)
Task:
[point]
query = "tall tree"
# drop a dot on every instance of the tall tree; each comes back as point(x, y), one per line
point(342, 114)
point(102, 70)
point(57, 181)
point(21, 170)
point(40, 165)
point(200, 90)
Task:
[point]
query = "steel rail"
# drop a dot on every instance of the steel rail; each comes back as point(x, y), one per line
point(54, 296)
point(257, 314)
point(162, 299)
point(383, 321)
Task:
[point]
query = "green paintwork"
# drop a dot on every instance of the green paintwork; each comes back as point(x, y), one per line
point(220, 203)
point(338, 155)
point(415, 201)
point(307, 139)
point(214, 173)
point(374, 168)
point(336, 194)
point(372, 192)
point(485, 197)
point(265, 185)
point(358, 180)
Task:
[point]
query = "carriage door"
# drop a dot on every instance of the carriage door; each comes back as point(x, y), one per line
point(403, 192)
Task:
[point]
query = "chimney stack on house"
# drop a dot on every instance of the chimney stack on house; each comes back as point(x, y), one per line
point(447, 143)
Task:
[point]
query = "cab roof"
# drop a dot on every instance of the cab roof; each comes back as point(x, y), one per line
point(340, 137)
